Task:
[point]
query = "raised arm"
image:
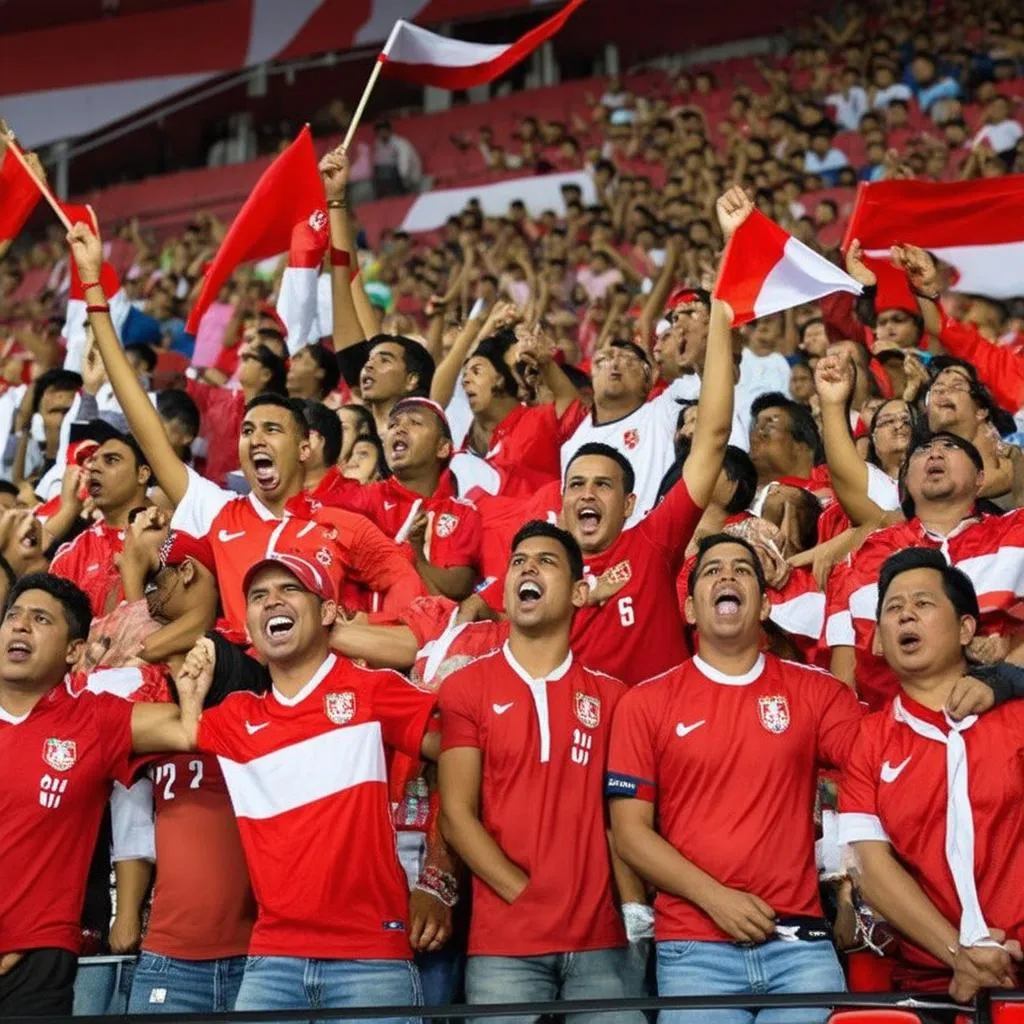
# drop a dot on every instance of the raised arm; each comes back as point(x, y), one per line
point(347, 329)
point(144, 420)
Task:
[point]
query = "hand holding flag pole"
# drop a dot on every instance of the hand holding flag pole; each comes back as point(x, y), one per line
point(15, 149)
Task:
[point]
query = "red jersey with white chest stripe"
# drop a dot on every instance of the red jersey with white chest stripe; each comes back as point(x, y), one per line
point(88, 562)
point(989, 549)
point(894, 789)
point(58, 762)
point(241, 531)
point(730, 763)
point(543, 744)
point(307, 777)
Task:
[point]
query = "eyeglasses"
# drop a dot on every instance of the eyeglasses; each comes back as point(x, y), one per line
point(941, 444)
point(892, 423)
point(951, 384)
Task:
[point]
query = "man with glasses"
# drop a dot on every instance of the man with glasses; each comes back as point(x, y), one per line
point(941, 479)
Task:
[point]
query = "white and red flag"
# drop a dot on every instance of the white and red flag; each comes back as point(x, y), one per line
point(417, 55)
point(288, 193)
point(765, 270)
point(298, 299)
point(975, 226)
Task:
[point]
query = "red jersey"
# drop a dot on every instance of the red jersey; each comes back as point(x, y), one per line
point(455, 529)
point(308, 780)
point(730, 763)
point(203, 907)
point(990, 549)
point(524, 453)
point(894, 789)
point(88, 562)
point(242, 531)
point(544, 743)
point(221, 412)
point(502, 518)
point(59, 762)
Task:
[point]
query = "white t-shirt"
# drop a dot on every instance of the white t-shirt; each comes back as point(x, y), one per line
point(761, 374)
point(882, 489)
point(1001, 137)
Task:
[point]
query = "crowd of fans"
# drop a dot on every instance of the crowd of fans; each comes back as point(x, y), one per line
point(528, 612)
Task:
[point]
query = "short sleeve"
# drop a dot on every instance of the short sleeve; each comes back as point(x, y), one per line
point(632, 755)
point(839, 718)
point(115, 725)
point(202, 503)
point(882, 489)
point(858, 796)
point(218, 731)
point(460, 722)
point(462, 546)
point(403, 710)
point(838, 617)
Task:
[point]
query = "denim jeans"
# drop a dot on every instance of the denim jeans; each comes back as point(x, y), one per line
point(294, 983)
point(593, 974)
point(102, 988)
point(164, 984)
point(721, 968)
point(441, 975)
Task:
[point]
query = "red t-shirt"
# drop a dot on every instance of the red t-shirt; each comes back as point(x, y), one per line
point(88, 562)
point(221, 412)
point(543, 744)
point(894, 789)
point(58, 761)
point(203, 907)
point(730, 763)
point(307, 777)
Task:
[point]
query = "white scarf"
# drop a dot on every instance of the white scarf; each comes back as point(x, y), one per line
point(959, 821)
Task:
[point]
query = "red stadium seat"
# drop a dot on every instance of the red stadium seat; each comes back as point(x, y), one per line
point(874, 1017)
point(1007, 1013)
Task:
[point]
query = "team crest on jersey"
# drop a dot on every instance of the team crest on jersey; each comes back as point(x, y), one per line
point(588, 709)
point(323, 556)
point(774, 713)
point(631, 438)
point(60, 755)
point(446, 524)
point(340, 707)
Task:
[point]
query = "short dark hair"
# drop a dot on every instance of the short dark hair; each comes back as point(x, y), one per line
point(6, 487)
point(955, 582)
point(382, 460)
point(328, 362)
point(740, 469)
point(608, 452)
point(54, 380)
point(367, 424)
point(128, 440)
point(907, 504)
point(418, 360)
point(631, 346)
point(77, 611)
point(539, 528)
point(326, 423)
point(802, 427)
point(712, 541)
point(145, 353)
point(291, 405)
point(275, 366)
point(980, 394)
point(179, 407)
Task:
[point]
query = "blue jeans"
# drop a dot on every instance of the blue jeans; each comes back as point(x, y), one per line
point(102, 988)
point(593, 974)
point(294, 983)
point(164, 984)
point(721, 968)
point(441, 975)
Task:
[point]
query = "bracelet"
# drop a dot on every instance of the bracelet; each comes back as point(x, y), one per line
point(442, 885)
point(102, 308)
point(340, 258)
point(337, 204)
point(91, 284)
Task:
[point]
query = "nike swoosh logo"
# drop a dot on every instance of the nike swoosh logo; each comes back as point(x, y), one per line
point(253, 729)
point(388, 506)
point(891, 774)
point(224, 536)
point(685, 730)
point(500, 709)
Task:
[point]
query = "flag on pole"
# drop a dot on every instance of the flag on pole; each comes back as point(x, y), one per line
point(289, 192)
point(19, 193)
point(765, 270)
point(975, 226)
point(297, 301)
point(417, 55)
point(73, 330)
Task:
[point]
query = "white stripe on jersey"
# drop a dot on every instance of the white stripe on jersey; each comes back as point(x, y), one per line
point(803, 614)
point(304, 772)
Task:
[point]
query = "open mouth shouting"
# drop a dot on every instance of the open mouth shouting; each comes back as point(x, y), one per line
point(279, 628)
point(909, 639)
point(528, 594)
point(18, 651)
point(264, 471)
point(589, 518)
point(727, 601)
point(366, 381)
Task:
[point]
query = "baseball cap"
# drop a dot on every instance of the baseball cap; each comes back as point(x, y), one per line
point(180, 545)
point(316, 576)
point(426, 403)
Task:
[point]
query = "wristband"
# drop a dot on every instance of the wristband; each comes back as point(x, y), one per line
point(91, 284)
point(442, 885)
point(337, 204)
point(102, 308)
point(340, 258)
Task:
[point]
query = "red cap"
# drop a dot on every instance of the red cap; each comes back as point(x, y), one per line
point(317, 577)
point(427, 403)
point(79, 452)
point(180, 545)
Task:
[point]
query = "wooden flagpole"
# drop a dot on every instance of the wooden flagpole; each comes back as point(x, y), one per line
point(13, 147)
point(363, 100)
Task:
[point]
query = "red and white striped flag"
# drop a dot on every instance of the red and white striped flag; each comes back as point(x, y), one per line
point(765, 270)
point(297, 301)
point(19, 194)
point(975, 226)
point(417, 55)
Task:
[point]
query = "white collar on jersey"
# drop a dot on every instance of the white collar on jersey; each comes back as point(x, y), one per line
point(959, 820)
point(553, 676)
point(6, 716)
point(720, 677)
point(261, 510)
point(318, 678)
